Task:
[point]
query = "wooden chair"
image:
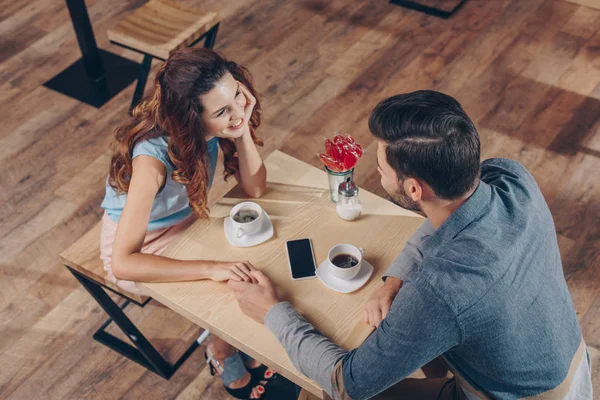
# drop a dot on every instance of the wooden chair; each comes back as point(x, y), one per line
point(83, 260)
point(160, 27)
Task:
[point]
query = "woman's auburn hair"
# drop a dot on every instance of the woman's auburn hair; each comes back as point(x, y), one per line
point(174, 110)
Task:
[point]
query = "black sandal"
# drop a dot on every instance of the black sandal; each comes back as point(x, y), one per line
point(263, 373)
point(274, 392)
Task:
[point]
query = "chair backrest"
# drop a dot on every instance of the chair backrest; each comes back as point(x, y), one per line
point(84, 257)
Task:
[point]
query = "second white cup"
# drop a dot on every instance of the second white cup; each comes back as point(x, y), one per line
point(346, 270)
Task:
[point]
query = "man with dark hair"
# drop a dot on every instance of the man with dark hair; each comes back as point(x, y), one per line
point(427, 135)
point(480, 284)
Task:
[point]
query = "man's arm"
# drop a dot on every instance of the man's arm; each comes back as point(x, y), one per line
point(406, 263)
point(419, 327)
point(410, 258)
point(311, 353)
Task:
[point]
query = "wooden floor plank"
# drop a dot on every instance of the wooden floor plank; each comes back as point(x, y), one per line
point(595, 359)
point(528, 72)
point(591, 322)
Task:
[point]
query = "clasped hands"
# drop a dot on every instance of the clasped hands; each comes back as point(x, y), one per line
point(255, 298)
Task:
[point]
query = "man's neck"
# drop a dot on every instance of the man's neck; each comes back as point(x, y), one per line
point(440, 210)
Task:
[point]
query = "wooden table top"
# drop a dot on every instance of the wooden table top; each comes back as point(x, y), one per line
point(297, 200)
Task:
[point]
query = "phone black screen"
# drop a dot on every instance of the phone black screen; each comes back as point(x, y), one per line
point(302, 260)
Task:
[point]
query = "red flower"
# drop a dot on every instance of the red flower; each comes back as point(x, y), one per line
point(341, 154)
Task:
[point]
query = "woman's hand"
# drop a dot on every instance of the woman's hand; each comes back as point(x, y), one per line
point(239, 271)
point(250, 102)
point(251, 174)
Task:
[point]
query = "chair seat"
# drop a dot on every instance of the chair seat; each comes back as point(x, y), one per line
point(84, 256)
point(160, 27)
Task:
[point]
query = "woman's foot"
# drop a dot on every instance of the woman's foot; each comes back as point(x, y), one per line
point(262, 374)
point(246, 387)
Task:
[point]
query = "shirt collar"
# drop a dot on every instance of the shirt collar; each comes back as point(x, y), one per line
point(460, 218)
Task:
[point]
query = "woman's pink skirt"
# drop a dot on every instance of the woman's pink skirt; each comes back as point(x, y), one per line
point(156, 242)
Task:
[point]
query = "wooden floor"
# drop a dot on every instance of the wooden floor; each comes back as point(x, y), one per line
point(527, 72)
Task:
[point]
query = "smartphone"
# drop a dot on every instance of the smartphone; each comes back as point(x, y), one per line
point(301, 258)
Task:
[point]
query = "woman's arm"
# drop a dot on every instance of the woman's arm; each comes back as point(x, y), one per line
point(252, 174)
point(129, 264)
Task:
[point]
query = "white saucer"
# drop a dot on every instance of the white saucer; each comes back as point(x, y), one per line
point(341, 285)
point(264, 234)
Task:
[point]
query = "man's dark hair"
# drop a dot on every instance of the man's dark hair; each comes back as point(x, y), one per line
point(429, 137)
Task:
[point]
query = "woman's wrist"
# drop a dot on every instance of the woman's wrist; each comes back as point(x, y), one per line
point(205, 269)
point(243, 137)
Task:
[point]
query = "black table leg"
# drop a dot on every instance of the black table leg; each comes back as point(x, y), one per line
point(143, 353)
point(85, 37)
point(98, 75)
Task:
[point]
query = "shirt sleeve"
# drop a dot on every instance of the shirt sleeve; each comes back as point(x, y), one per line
point(403, 342)
point(311, 353)
point(153, 148)
point(410, 257)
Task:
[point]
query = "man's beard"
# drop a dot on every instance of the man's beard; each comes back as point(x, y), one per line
point(403, 200)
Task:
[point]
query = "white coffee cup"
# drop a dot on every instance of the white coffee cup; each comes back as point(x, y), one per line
point(246, 228)
point(345, 273)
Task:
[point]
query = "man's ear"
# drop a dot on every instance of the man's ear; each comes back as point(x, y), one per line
point(414, 189)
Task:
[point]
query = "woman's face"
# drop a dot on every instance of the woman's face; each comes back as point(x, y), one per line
point(223, 114)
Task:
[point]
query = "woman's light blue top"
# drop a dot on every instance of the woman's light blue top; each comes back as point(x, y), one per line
point(171, 204)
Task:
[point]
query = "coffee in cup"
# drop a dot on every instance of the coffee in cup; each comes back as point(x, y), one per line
point(245, 215)
point(345, 260)
point(246, 218)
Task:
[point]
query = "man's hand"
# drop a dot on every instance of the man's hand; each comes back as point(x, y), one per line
point(255, 299)
point(378, 306)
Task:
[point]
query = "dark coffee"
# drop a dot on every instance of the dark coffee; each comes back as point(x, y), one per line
point(244, 216)
point(344, 261)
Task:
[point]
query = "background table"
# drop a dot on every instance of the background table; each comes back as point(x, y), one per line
point(98, 75)
point(297, 200)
